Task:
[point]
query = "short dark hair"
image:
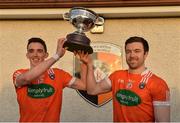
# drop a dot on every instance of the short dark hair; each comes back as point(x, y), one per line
point(138, 39)
point(38, 40)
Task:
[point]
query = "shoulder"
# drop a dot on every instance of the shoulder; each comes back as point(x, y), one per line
point(58, 71)
point(158, 88)
point(157, 79)
point(20, 71)
point(119, 72)
point(158, 82)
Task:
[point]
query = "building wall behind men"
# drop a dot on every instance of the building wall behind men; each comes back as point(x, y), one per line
point(163, 35)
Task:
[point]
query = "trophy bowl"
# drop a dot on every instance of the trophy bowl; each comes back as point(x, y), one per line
point(83, 20)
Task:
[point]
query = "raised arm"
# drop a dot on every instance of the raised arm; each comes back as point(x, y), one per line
point(80, 84)
point(38, 70)
point(93, 87)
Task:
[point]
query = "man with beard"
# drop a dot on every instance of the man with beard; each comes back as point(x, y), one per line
point(39, 88)
point(138, 94)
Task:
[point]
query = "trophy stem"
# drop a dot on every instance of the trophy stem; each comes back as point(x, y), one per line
point(80, 28)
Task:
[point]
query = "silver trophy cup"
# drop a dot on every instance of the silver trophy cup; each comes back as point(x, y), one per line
point(83, 20)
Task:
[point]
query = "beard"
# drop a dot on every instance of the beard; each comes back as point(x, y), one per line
point(133, 67)
point(134, 63)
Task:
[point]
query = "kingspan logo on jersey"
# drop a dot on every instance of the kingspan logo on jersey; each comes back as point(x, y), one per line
point(106, 59)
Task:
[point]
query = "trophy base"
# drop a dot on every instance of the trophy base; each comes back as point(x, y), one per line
point(76, 42)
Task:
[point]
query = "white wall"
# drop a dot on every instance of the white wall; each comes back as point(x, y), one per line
point(164, 58)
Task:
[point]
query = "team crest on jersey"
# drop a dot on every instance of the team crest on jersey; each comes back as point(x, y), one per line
point(51, 74)
point(107, 58)
point(40, 90)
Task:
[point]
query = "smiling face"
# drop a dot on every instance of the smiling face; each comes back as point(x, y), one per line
point(135, 55)
point(36, 53)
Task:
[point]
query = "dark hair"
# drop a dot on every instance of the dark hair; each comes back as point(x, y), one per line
point(38, 40)
point(138, 39)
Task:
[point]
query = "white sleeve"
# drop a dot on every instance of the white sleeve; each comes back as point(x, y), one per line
point(161, 103)
point(72, 81)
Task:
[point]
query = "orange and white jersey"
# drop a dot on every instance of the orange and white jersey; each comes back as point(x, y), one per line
point(135, 95)
point(41, 100)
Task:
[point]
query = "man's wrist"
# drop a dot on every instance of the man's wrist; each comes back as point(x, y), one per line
point(56, 57)
point(90, 65)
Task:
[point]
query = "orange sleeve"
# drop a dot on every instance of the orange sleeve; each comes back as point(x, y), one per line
point(66, 78)
point(16, 74)
point(112, 76)
point(159, 89)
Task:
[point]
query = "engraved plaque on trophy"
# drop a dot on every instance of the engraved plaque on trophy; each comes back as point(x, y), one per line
point(83, 20)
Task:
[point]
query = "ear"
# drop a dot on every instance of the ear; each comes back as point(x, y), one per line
point(146, 54)
point(27, 56)
point(46, 55)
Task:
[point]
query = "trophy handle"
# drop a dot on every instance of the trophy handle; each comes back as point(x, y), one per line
point(66, 16)
point(99, 21)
